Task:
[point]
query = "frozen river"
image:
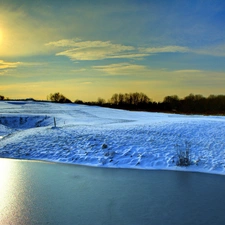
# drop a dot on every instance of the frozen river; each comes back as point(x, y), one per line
point(48, 193)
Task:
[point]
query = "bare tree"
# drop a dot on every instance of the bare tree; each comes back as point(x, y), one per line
point(58, 97)
point(101, 101)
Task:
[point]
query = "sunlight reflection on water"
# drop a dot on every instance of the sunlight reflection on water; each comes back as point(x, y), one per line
point(12, 189)
point(6, 180)
point(43, 193)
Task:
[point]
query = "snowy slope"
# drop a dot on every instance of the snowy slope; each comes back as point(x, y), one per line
point(91, 135)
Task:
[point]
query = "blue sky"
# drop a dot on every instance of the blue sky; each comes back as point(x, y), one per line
point(91, 49)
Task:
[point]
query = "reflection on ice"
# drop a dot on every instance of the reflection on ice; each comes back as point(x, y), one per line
point(6, 170)
point(12, 193)
point(42, 193)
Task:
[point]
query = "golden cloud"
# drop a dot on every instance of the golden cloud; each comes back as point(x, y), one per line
point(6, 65)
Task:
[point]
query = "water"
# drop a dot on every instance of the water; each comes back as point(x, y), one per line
point(44, 193)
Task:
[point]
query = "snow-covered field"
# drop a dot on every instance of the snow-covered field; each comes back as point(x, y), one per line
point(96, 136)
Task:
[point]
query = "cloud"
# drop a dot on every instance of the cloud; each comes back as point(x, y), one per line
point(87, 82)
point(185, 78)
point(64, 43)
point(13, 69)
point(165, 49)
point(79, 70)
point(76, 49)
point(143, 71)
point(95, 50)
point(121, 69)
point(218, 50)
point(27, 25)
point(2, 72)
point(7, 65)
point(188, 71)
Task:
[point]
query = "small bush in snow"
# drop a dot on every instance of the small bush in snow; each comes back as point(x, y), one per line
point(104, 146)
point(183, 155)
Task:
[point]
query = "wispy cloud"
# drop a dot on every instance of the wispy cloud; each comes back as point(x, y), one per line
point(12, 67)
point(76, 49)
point(188, 71)
point(165, 49)
point(218, 50)
point(7, 65)
point(121, 69)
point(188, 77)
point(79, 70)
point(95, 50)
point(142, 70)
point(64, 43)
point(86, 82)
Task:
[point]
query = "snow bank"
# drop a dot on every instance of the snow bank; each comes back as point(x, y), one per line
point(105, 137)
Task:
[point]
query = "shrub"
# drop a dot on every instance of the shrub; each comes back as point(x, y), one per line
point(183, 155)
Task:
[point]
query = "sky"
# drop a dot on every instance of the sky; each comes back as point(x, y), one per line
point(89, 49)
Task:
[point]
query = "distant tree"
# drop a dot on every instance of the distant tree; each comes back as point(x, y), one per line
point(171, 99)
point(121, 99)
point(142, 98)
point(171, 102)
point(78, 101)
point(130, 99)
point(101, 101)
point(115, 99)
point(2, 97)
point(216, 103)
point(58, 97)
point(127, 99)
point(194, 104)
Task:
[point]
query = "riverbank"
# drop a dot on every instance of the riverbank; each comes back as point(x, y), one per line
point(104, 137)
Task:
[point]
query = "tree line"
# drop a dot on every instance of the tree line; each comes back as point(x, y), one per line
point(196, 104)
point(191, 104)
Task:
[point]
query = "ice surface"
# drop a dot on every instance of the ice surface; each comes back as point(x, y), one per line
point(97, 136)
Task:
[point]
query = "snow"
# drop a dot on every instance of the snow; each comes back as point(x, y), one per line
point(96, 136)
